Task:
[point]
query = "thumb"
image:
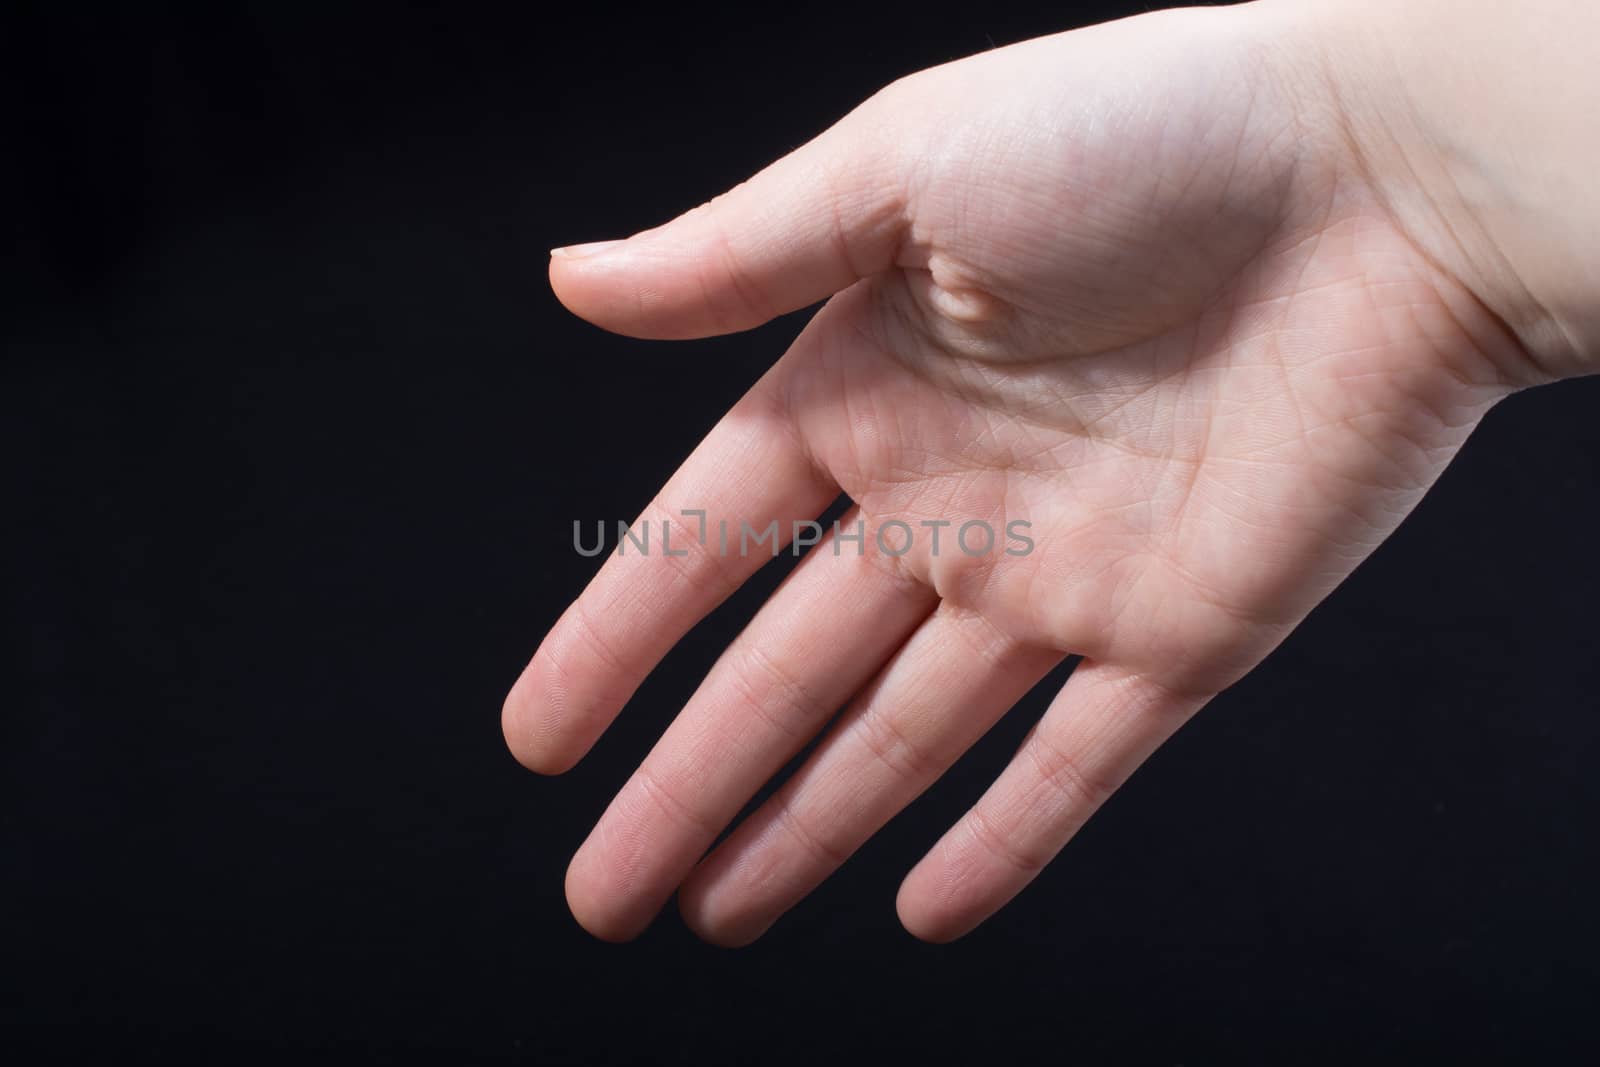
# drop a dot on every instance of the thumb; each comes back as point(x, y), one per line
point(828, 214)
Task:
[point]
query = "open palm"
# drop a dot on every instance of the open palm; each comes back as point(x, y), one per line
point(1126, 286)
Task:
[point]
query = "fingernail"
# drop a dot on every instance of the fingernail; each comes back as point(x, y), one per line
point(583, 250)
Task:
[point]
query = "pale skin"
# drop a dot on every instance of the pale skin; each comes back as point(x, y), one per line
point(1209, 297)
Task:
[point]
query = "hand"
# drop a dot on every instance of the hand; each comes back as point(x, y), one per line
point(1132, 285)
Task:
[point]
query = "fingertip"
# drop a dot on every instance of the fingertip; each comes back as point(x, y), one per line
point(914, 917)
point(574, 288)
point(706, 919)
point(925, 913)
point(600, 925)
point(627, 288)
point(584, 250)
point(524, 725)
point(588, 894)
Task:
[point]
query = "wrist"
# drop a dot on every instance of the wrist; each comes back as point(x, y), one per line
point(1474, 124)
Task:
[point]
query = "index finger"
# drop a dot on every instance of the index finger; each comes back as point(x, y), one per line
point(693, 552)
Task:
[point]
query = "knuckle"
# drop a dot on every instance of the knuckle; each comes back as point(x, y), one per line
point(769, 692)
point(1067, 773)
point(670, 803)
point(581, 637)
point(991, 840)
point(814, 843)
point(890, 745)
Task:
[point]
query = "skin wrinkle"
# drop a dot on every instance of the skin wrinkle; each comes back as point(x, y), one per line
point(798, 697)
point(894, 750)
point(675, 808)
point(698, 567)
point(595, 644)
point(997, 845)
point(1061, 768)
point(810, 841)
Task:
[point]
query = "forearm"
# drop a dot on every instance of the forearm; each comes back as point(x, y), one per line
point(1478, 124)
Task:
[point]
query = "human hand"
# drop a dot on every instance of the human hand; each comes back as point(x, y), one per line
point(1137, 286)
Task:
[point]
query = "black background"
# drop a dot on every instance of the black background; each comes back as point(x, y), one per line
point(292, 434)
